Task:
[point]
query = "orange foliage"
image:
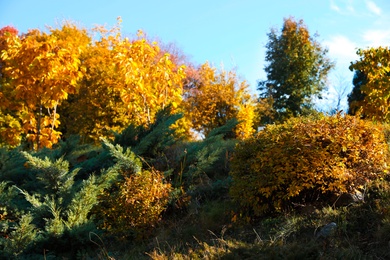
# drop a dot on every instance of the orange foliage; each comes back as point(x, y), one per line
point(137, 204)
point(374, 63)
point(307, 160)
point(42, 70)
point(126, 81)
point(103, 85)
point(212, 98)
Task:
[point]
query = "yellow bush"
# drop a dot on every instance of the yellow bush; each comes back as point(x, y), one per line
point(136, 203)
point(305, 160)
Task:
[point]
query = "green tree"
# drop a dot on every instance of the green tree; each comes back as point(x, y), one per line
point(296, 71)
point(359, 79)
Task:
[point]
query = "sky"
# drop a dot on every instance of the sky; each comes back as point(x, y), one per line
point(229, 34)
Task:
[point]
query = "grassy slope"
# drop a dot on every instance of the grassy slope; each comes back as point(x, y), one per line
point(205, 231)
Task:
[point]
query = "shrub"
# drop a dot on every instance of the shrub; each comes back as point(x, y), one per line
point(51, 211)
point(137, 203)
point(306, 160)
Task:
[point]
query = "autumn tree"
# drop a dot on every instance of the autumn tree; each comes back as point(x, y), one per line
point(373, 81)
point(297, 69)
point(213, 97)
point(97, 106)
point(10, 127)
point(127, 81)
point(152, 81)
point(43, 68)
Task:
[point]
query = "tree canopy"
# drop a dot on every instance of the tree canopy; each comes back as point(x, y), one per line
point(105, 82)
point(214, 97)
point(297, 69)
point(374, 65)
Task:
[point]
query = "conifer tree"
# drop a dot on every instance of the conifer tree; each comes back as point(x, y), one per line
point(356, 95)
point(59, 208)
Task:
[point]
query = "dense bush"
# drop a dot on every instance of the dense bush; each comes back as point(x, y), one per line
point(305, 160)
point(136, 204)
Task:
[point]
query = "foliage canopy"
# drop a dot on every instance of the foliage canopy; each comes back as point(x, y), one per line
point(374, 65)
point(296, 71)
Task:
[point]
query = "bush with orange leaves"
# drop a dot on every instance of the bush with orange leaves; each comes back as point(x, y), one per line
point(134, 205)
point(307, 160)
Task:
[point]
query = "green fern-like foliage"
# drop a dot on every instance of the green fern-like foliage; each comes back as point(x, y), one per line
point(61, 208)
point(125, 159)
point(22, 237)
point(12, 167)
point(199, 169)
point(149, 141)
point(54, 176)
point(121, 187)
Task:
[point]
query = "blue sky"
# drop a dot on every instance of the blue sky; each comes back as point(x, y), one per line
point(232, 33)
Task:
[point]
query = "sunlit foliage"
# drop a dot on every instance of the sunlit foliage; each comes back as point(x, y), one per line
point(305, 161)
point(40, 70)
point(374, 64)
point(213, 97)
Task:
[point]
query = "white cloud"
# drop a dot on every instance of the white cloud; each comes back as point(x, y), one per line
point(341, 49)
point(344, 7)
point(373, 7)
point(350, 7)
point(334, 7)
point(375, 38)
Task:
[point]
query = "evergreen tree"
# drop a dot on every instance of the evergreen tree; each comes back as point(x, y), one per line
point(296, 71)
point(359, 79)
point(59, 208)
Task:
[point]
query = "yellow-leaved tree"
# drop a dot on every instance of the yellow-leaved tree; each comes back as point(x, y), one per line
point(151, 80)
point(213, 97)
point(374, 64)
point(10, 126)
point(97, 106)
point(126, 81)
point(42, 69)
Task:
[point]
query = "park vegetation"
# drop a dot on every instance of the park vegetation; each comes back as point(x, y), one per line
point(120, 148)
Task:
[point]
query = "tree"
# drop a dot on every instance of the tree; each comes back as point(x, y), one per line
point(10, 127)
point(126, 82)
point(341, 86)
point(43, 69)
point(213, 97)
point(152, 81)
point(296, 71)
point(356, 96)
point(373, 81)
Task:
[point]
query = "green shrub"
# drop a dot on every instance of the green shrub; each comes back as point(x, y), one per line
point(306, 160)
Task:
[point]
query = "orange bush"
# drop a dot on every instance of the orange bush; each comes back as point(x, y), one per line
point(305, 160)
point(136, 203)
